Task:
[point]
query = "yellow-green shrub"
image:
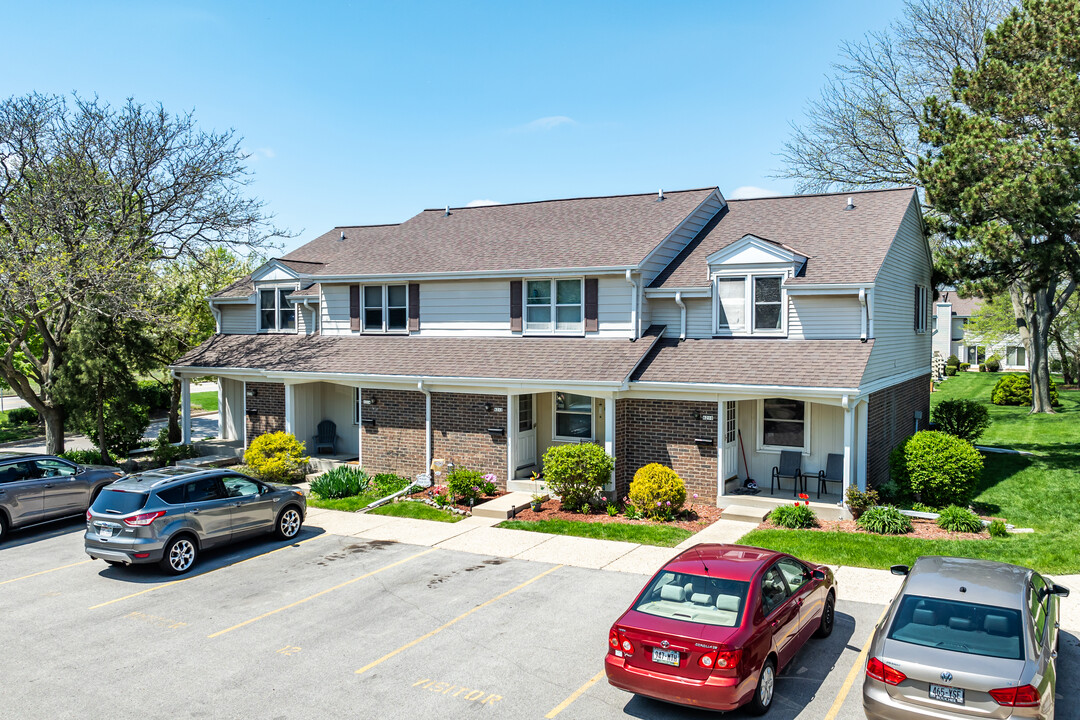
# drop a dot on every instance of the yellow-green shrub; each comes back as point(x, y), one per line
point(657, 491)
point(277, 457)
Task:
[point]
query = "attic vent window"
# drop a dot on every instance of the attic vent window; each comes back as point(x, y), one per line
point(850, 204)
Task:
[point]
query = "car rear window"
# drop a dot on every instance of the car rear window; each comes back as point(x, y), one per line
point(959, 626)
point(118, 502)
point(695, 598)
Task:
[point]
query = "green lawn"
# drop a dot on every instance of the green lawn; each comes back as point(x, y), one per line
point(1041, 491)
point(417, 510)
point(661, 535)
point(204, 400)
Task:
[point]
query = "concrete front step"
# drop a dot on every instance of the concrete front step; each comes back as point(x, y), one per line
point(502, 508)
point(745, 513)
point(826, 509)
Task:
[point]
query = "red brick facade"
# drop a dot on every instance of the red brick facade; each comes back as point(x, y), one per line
point(265, 409)
point(891, 419)
point(460, 425)
point(665, 431)
point(394, 442)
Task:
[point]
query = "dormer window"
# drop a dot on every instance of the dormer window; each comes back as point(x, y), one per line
point(386, 309)
point(767, 303)
point(554, 306)
point(276, 312)
point(750, 304)
point(731, 294)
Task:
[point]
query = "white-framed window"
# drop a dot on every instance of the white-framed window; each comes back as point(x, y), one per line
point(555, 306)
point(1016, 356)
point(573, 417)
point(276, 312)
point(385, 308)
point(783, 424)
point(730, 428)
point(750, 304)
point(922, 296)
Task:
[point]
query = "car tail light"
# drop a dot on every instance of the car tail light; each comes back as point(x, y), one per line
point(1023, 696)
point(880, 671)
point(144, 518)
point(613, 639)
point(728, 658)
point(88, 516)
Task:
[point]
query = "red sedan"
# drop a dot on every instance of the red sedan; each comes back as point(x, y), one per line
point(716, 623)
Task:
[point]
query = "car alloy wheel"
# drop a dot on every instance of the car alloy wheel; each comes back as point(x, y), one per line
point(181, 555)
point(765, 687)
point(289, 523)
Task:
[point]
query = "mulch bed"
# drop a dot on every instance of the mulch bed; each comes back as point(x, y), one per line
point(922, 529)
point(694, 520)
point(427, 494)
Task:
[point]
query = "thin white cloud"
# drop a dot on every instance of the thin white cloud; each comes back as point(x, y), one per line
point(482, 203)
point(746, 192)
point(547, 123)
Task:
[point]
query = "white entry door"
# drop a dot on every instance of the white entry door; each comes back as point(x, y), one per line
point(730, 448)
point(526, 432)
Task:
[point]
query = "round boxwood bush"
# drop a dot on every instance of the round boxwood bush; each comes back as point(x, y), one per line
point(959, 519)
point(577, 473)
point(22, 416)
point(277, 457)
point(953, 361)
point(657, 491)
point(794, 516)
point(936, 468)
point(950, 370)
point(885, 520)
point(965, 419)
point(993, 363)
point(1016, 390)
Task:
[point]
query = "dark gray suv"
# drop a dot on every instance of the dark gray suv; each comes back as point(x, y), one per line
point(170, 515)
point(36, 488)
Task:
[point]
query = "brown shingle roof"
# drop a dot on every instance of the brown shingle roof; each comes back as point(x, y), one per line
point(240, 288)
point(961, 307)
point(547, 358)
point(738, 361)
point(574, 233)
point(843, 246)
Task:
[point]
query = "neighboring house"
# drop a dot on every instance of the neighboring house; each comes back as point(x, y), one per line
point(959, 341)
point(682, 328)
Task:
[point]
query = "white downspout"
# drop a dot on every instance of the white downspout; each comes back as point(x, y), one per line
point(633, 305)
point(870, 311)
point(427, 426)
point(682, 310)
point(314, 318)
point(216, 312)
point(863, 317)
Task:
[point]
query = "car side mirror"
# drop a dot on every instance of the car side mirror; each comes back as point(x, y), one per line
point(1059, 590)
point(818, 574)
point(899, 569)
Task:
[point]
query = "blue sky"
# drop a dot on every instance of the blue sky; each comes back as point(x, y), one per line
point(360, 113)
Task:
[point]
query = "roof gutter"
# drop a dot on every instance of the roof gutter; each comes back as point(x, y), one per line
point(470, 275)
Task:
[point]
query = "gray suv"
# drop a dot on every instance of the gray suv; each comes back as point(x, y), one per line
point(36, 488)
point(170, 515)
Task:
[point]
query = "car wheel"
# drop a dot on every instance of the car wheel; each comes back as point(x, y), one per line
point(180, 555)
point(288, 523)
point(4, 527)
point(828, 615)
point(763, 696)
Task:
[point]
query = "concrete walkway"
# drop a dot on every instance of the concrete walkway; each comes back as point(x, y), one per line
point(203, 425)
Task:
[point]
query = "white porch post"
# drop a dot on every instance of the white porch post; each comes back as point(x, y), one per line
point(609, 435)
point(511, 437)
point(185, 411)
point(290, 408)
point(220, 411)
point(849, 441)
point(862, 421)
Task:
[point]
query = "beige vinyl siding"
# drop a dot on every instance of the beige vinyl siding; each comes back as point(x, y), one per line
point(673, 245)
point(615, 298)
point(898, 349)
point(824, 317)
point(232, 410)
point(461, 307)
point(826, 436)
point(237, 319)
point(698, 316)
point(334, 309)
point(305, 318)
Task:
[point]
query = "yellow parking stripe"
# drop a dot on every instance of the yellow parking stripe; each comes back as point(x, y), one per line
point(320, 593)
point(45, 572)
point(576, 694)
point(464, 615)
point(860, 663)
point(196, 577)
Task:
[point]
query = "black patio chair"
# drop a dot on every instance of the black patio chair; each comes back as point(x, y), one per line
point(790, 467)
point(833, 472)
point(326, 437)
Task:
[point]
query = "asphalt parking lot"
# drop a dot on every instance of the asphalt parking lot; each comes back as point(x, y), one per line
point(334, 626)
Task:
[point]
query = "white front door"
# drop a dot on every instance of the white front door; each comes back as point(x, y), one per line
point(526, 432)
point(728, 429)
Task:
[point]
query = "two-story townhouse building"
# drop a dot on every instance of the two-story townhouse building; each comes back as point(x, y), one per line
point(681, 327)
point(952, 336)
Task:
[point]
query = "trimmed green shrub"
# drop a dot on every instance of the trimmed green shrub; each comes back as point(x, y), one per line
point(340, 482)
point(936, 468)
point(468, 486)
point(965, 366)
point(993, 363)
point(82, 457)
point(577, 473)
point(965, 419)
point(997, 529)
point(950, 370)
point(982, 367)
point(959, 519)
point(922, 507)
point(794, 516)
point(23, 416)
point(154, 395)
point(1015, 389)
point(277, 457)
point(657, 491)
point(953, 361)
point(165, 453)
point(858, 501)
point(885, 520)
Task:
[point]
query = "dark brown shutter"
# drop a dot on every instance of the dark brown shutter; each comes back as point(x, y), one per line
point(414, 307)
point(592, 295)
point(354, 307)
point(515, 306)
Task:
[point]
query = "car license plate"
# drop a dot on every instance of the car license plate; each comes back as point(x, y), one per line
point(105, 531)
point(947, 694)
point(665, 657)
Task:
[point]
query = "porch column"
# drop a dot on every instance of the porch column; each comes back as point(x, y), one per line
point(290, 408)
point(609, 435)
point(849, 442)
point(185, 411)
point(221, 424)
point(862, 430)
point(511, 437)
